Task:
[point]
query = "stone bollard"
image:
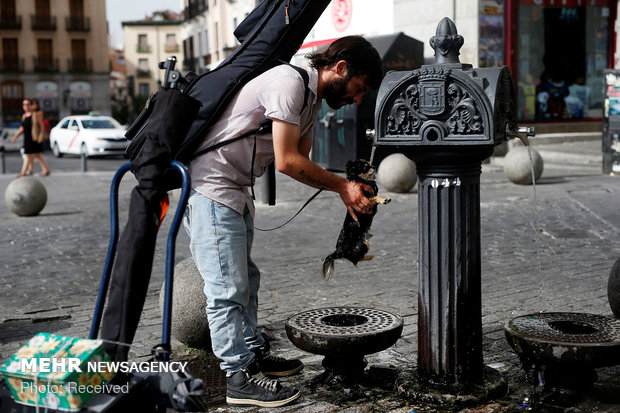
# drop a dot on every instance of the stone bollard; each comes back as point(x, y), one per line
point(613, 289)
point(189, 318)
point(517, 166)
point(25, 196)
point(397, 173)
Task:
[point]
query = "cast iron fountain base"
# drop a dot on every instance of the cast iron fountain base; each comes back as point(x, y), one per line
point(344, 335)
point(559, 351)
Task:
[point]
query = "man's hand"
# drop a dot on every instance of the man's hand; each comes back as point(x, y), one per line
point(289, 159)
point(354, 199)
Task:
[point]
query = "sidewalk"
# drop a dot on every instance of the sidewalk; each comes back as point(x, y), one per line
point(50, 266)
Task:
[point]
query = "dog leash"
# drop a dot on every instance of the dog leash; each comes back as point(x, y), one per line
point(293, 217)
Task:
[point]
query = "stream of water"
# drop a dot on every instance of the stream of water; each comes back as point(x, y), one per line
point(535, 223)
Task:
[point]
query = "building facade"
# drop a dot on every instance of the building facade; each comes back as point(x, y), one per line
point(557, 50)
point(208, 27)
point(148, 42)
point(51, 50)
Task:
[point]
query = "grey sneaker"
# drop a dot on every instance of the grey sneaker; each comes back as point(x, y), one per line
point(250, 387)
point(271, 365)
point(279, 366)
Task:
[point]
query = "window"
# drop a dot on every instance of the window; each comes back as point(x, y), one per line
point(76, 19)
point(144, 89)
point(143, 65)
point(65, 124)
point(7, 11)
point(12, 96)
point(143, 68)
point(76, 8)
point(42, 19)
point(100, 124)
point(78, 54)
point(45, 59)
point(42, 8)
point(10, 58)
point(171, 43)
point(142, 44)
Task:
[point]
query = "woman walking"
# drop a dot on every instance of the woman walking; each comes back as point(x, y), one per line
point(33, 129)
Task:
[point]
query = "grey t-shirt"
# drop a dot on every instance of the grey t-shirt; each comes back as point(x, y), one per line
point(224, 174)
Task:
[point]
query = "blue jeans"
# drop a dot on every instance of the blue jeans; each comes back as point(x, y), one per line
point(221, 244)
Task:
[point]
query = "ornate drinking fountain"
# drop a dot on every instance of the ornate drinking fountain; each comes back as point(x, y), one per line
point(448, 117)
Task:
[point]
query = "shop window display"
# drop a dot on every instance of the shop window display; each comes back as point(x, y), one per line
point(561, 57)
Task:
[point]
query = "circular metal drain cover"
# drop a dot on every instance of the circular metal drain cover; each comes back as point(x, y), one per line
point(566, 338)
point(344, 330)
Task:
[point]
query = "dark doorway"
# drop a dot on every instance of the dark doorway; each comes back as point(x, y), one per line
point(565, 47)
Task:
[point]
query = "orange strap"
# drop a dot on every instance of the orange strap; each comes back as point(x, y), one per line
point(164, 203)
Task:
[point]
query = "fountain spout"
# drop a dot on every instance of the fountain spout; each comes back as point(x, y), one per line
point(523, 133)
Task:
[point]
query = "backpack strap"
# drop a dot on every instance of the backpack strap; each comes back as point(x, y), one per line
point(265, 126)
point(306, 79)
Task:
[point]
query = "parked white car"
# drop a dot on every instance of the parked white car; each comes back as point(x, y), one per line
point(89, 135)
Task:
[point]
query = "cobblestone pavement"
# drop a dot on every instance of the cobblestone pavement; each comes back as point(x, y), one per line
point(551, 250)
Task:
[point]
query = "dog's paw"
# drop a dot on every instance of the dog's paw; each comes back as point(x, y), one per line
point(367, 258)
point(381, 200)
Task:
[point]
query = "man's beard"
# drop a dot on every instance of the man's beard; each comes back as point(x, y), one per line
point(335, 91)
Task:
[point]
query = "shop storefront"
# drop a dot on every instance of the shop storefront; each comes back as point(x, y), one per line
point(558, 50)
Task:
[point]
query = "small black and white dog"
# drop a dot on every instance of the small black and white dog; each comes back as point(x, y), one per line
point(353, 242)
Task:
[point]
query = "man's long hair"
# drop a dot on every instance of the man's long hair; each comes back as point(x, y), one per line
point(361, 57)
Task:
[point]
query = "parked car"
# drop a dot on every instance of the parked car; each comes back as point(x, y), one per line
point(91, 135)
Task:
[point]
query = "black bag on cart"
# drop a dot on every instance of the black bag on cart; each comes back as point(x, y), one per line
point(172, 127)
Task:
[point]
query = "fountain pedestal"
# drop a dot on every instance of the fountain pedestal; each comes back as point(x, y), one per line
point(447, 117)
point(344, 335)
point(560, 351)
point(449, 302)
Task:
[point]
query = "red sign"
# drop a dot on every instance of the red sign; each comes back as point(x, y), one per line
point(565, 3)
point(342, 12)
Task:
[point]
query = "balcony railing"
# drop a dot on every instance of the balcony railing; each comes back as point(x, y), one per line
point(12, 65)
point(143, 73)
point(43, 22)
point(78, 24)
point(144, 48)
point(195, 8)
point(11, 22)
point(45, 65)
point(76, 65)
